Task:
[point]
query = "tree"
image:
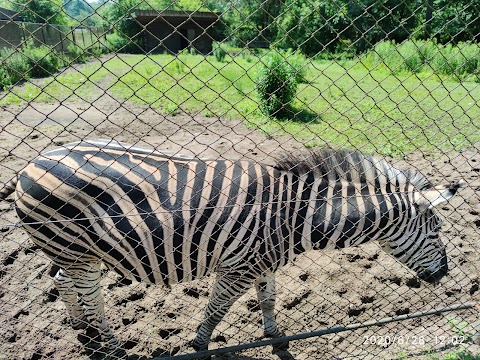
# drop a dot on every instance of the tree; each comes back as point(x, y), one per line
point(311, 26)
point(41, 11)
point(120, 16)
point(371, 21)
point(253, 20)
point(454, 21)
point(83, 12)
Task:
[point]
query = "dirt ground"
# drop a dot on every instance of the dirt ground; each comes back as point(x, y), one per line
point(320, 290)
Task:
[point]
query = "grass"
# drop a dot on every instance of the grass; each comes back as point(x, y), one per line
point(456, 355)
point(342, 104)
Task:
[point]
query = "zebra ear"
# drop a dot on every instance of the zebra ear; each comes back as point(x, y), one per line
point(428, 199)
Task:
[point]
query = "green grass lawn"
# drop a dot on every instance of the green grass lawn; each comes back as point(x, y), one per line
point(343, 104)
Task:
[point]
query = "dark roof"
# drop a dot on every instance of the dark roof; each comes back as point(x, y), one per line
point(148, 15)
point(7, 14)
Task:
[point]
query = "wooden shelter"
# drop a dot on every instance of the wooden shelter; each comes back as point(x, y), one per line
point(174, 31)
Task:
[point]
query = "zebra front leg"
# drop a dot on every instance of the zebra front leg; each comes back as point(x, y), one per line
point(265, 286)
point(226, 290)
point(87, 286)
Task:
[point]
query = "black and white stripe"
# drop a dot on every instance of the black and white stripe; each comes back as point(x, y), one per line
point(164, 219)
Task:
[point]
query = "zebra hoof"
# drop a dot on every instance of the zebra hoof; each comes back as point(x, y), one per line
point(197, 348)
point(280, 347)
point(91, 340)
point(79, 323)
point(283, 346)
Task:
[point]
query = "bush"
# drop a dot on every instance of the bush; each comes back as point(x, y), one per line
point(298, 63)
point(460, 61)
point(77, 54)
point(276, 86)
point(43, 61)
point(219, 52)
point(384, 54)
point(410, 53)
point(97, 50)
point(119, 43)
point(13, 67)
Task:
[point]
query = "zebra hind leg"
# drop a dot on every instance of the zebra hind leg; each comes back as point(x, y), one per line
point(66, 289)
point(265, 286)
point(86, 278)
point(227, 289)
point(77, 317)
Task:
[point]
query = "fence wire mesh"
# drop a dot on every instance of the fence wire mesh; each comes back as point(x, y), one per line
point(242, 80)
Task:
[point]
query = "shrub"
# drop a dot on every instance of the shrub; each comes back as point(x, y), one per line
point(384, 53)
point(77, 54)
point(459, 61)
point(462, 61)
point(13, 66)
point(297, 61)
point(276, 85)
point(412, 60)
point(43, 61)
point(118, 43)
point(467, 58)
point(97, 50)
point(219, 52)
point(427, 50)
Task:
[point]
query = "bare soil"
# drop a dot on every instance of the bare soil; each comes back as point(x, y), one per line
point(320, 290)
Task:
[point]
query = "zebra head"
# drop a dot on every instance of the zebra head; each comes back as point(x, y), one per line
point(418, 244)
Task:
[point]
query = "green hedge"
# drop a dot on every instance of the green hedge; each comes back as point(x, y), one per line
point(37, 62)
point(461, 61)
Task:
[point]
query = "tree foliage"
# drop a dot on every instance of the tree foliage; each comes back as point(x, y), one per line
point(83, 12)
point(370, 21)
point(314, 26)
point(311, 26)
point(252, 20)
point(121, 18)
point(41, 11)
point(455, 21)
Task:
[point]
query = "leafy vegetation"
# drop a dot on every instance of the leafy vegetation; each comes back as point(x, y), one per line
point(312, 26)
point(14, 66)
point(219, 52)
point(456, 355)
point(461, 62)
point(316, 26)
point(276, 86)
point(42, 61)
point(342, 104)
point(77, 54)
point(40, 11)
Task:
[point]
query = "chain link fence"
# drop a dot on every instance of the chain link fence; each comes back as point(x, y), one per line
point(254, 80)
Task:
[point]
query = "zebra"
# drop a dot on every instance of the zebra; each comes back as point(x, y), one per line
point(165, 219)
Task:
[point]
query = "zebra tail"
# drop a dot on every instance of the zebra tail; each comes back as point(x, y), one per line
point(8, 188)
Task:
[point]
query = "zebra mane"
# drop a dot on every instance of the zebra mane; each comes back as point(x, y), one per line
point(351, 166)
